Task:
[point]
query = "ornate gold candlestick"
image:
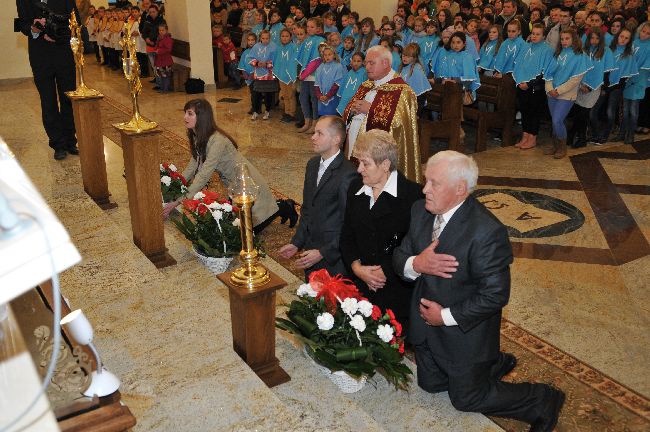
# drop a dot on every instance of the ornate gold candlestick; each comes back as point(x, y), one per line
point(131, 69)
point(250, 274)
point(77, 46)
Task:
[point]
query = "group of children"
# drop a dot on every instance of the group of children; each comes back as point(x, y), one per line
point(154, 48)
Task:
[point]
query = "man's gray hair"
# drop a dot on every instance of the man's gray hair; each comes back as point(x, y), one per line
point(382, 52)
point(460, 167)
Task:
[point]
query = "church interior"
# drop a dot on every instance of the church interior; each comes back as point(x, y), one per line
point(578, 314)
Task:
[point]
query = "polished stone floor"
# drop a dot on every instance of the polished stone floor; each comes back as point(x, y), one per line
point(579, 226)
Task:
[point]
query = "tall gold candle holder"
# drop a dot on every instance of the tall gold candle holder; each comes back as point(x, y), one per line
point(131, 68)
point(76, 43)
point(244, 192)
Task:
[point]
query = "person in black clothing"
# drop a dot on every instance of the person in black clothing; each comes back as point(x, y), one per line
point(54, 70)
point(149, 32)
point(233, 22)
point(509, 13)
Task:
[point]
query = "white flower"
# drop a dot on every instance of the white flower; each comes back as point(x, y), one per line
point(162, 168)
point(215, 206)
point(217, 215)
point(199, 195)
point(358, 323)
point(305, 290)
point(385, 332)
point(166, 180)
point(236, 222)
point(365, 308)
point(349, 306)
point(325, 321)
point(226, 207)
point(172, 167)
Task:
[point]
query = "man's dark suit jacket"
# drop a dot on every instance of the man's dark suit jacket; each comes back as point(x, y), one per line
point(371, 236)
point(344, 11)
point(323, 208)
point(477, 291)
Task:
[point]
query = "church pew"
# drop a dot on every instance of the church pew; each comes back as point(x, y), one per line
point(446, 100)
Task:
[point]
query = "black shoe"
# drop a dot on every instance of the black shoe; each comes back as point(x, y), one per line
point(547, 421)
point(73, 150)
point(505, 365)
point(60, 154)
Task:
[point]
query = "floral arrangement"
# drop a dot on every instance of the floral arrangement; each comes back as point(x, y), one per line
point(172, 183)
point(344, 331)
point(211, 223)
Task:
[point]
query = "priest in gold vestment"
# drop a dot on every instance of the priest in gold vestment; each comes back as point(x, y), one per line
point(386, 102)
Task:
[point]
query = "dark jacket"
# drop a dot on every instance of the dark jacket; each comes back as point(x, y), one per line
point(371, 235)
point(475, 294)
point(28, 11)
point(323, 208)
point(150, 30)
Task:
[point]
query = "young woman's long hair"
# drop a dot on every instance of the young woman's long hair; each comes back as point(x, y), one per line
point(411, 50)
point(205, 127)
point(364, 40)
point(576, 43)
point(499, 30)
point(600, 48)
point(628, 47)
point(448, 22)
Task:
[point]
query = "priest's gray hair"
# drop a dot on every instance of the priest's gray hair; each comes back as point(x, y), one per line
point(460, 167)
point(383, 53)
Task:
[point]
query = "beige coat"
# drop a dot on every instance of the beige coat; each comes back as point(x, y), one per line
point(223, 157)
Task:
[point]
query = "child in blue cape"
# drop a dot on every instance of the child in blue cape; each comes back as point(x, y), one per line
point(329, 23)
point(565, 72)
point(457, 65)
point(429, 46)
point(309, 60)
point(246, 68)
point(260, 18)
point(347, 51)
point(601, 61)
point(352, 81)
point(347, 22)
point(389, 43)
point(275, 26)
point(285, 70)
point(367, 36)
point(264, 83)
point(504, 62)
point(334, 40)
point(530, 66)
point(635, 87)
point(413, 74)
point(419, 32)
point(489, 50)
point(329, 76)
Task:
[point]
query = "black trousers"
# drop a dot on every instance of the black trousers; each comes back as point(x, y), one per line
point(473, 388)
point(531, 104)
point(577, 133)
point(257, 101)
point(54, 74)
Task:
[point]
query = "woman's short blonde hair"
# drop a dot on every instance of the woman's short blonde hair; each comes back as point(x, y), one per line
point(379, 145)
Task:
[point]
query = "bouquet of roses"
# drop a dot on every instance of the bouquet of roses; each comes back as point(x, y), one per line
point(172, 183)
point(211, 223)
point(344, 331)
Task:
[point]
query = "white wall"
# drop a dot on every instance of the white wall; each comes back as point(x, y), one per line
point(374, 9)
point(15, 61)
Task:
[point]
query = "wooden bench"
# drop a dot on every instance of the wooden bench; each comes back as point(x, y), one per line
point(445, 99)
point(220, 75)
point(180, 74)
point(499, 92)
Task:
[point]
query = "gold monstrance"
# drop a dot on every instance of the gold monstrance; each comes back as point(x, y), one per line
point(131, 69)
point(244, 192)
point(77, 46)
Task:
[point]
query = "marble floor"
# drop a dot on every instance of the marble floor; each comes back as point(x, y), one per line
point(579, 226)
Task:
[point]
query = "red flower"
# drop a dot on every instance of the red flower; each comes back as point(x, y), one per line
point(398, 327)
point(191, 204)
point(330, 288)
point(401, 347)
point(211, 195)
point(183, 180)
point(393, 341)
point(203, 209)
point(376, 312)
point(166, 165)
point(235, 209)
point(174, 175)
point(390, 314)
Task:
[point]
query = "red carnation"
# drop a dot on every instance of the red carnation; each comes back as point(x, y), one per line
point(207, 201)
point(166, 165)
point(235, 209)
point(211, 195)
point(174, 175)
point(401, 347)
point(331, 288)
point(376, 312)
point(190, 204)
point(183, 180)
point(398, 327)
point(393, 341)
point(390, 314)
point(203, 209)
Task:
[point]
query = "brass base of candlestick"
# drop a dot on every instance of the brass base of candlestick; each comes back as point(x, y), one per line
point(83, 92)
point(257, 276)
point(137, 124)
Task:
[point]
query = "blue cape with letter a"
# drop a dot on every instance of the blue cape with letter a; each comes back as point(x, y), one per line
point(532, 61)
point(635, 86)
point(262, 53)
point(486, 55)
point(459, 65)
point(596, 75)
point(244, 64)
point(625, 66)
point(416, 78)
point(565, 66)
point(327, 75)
point(505, 59)
point(351, 83)
point(308, 50)
point(285, 65)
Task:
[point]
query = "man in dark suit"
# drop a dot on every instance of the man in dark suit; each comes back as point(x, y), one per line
point(327, 179)
point(50, 57)
point(460, 256)
point(340, 10)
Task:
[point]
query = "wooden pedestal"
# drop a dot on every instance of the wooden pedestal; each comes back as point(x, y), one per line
point(87, 118)
point(253, 327)
point(142, 165)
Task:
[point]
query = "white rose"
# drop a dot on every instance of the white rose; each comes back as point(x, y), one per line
point(365, 308)
point(385, 332)
point(214, 206)
point(172, 167)
point(236, 222)
point(349, 306)
point(199, 195)
point(226, 207)
point(305, 290)
point(358, 323)
point(166, 180)
point(325, 321)
point(217, 215)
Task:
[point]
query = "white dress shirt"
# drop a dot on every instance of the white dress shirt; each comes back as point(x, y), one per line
point(390, 187)
point(324, 164)
point(411, 274)
point(355, 124)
